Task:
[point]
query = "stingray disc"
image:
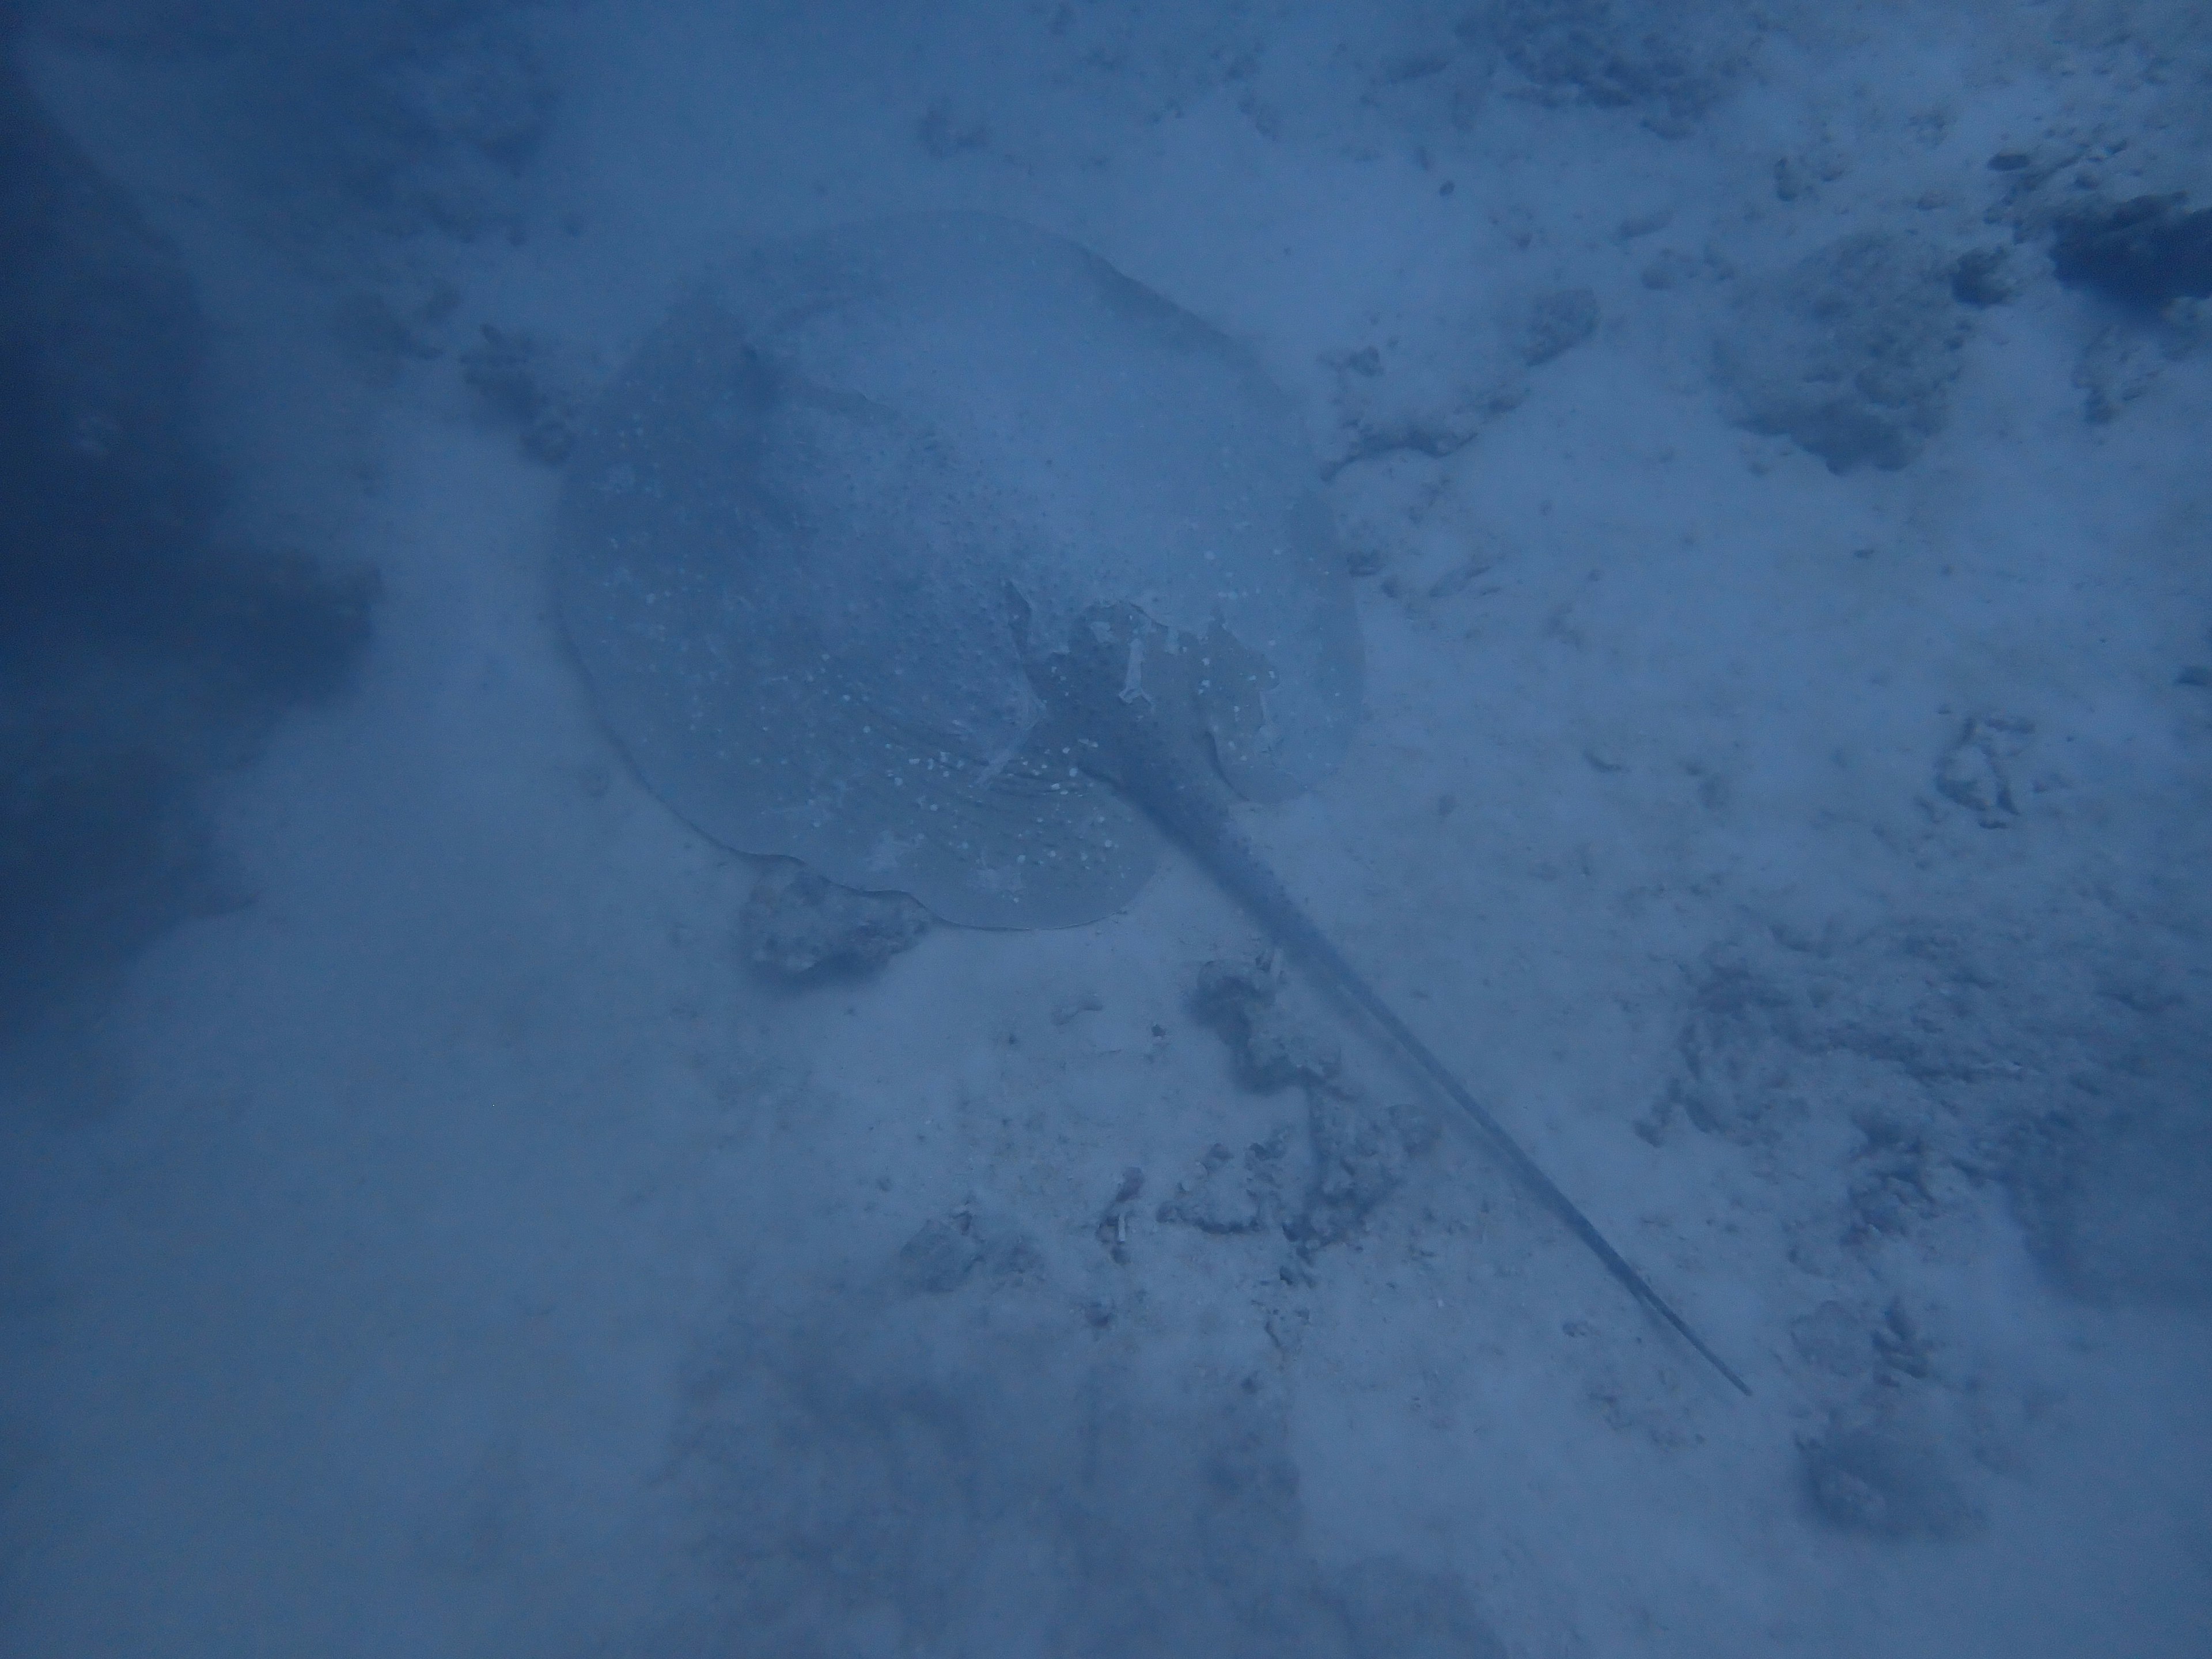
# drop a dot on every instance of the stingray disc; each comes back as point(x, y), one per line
point(805, 532)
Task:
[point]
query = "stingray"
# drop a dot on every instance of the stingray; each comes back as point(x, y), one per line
point(938, 554)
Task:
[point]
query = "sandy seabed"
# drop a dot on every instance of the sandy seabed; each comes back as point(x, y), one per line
point(1783, 795)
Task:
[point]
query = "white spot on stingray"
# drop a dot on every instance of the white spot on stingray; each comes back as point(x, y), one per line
point(996, 880)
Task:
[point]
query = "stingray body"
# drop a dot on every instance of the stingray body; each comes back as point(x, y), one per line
point(798, 529)
point(940, 555)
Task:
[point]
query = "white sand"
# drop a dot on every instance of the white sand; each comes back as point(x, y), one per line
point(370, 1306)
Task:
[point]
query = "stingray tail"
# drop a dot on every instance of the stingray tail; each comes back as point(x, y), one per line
point(1246, 874)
